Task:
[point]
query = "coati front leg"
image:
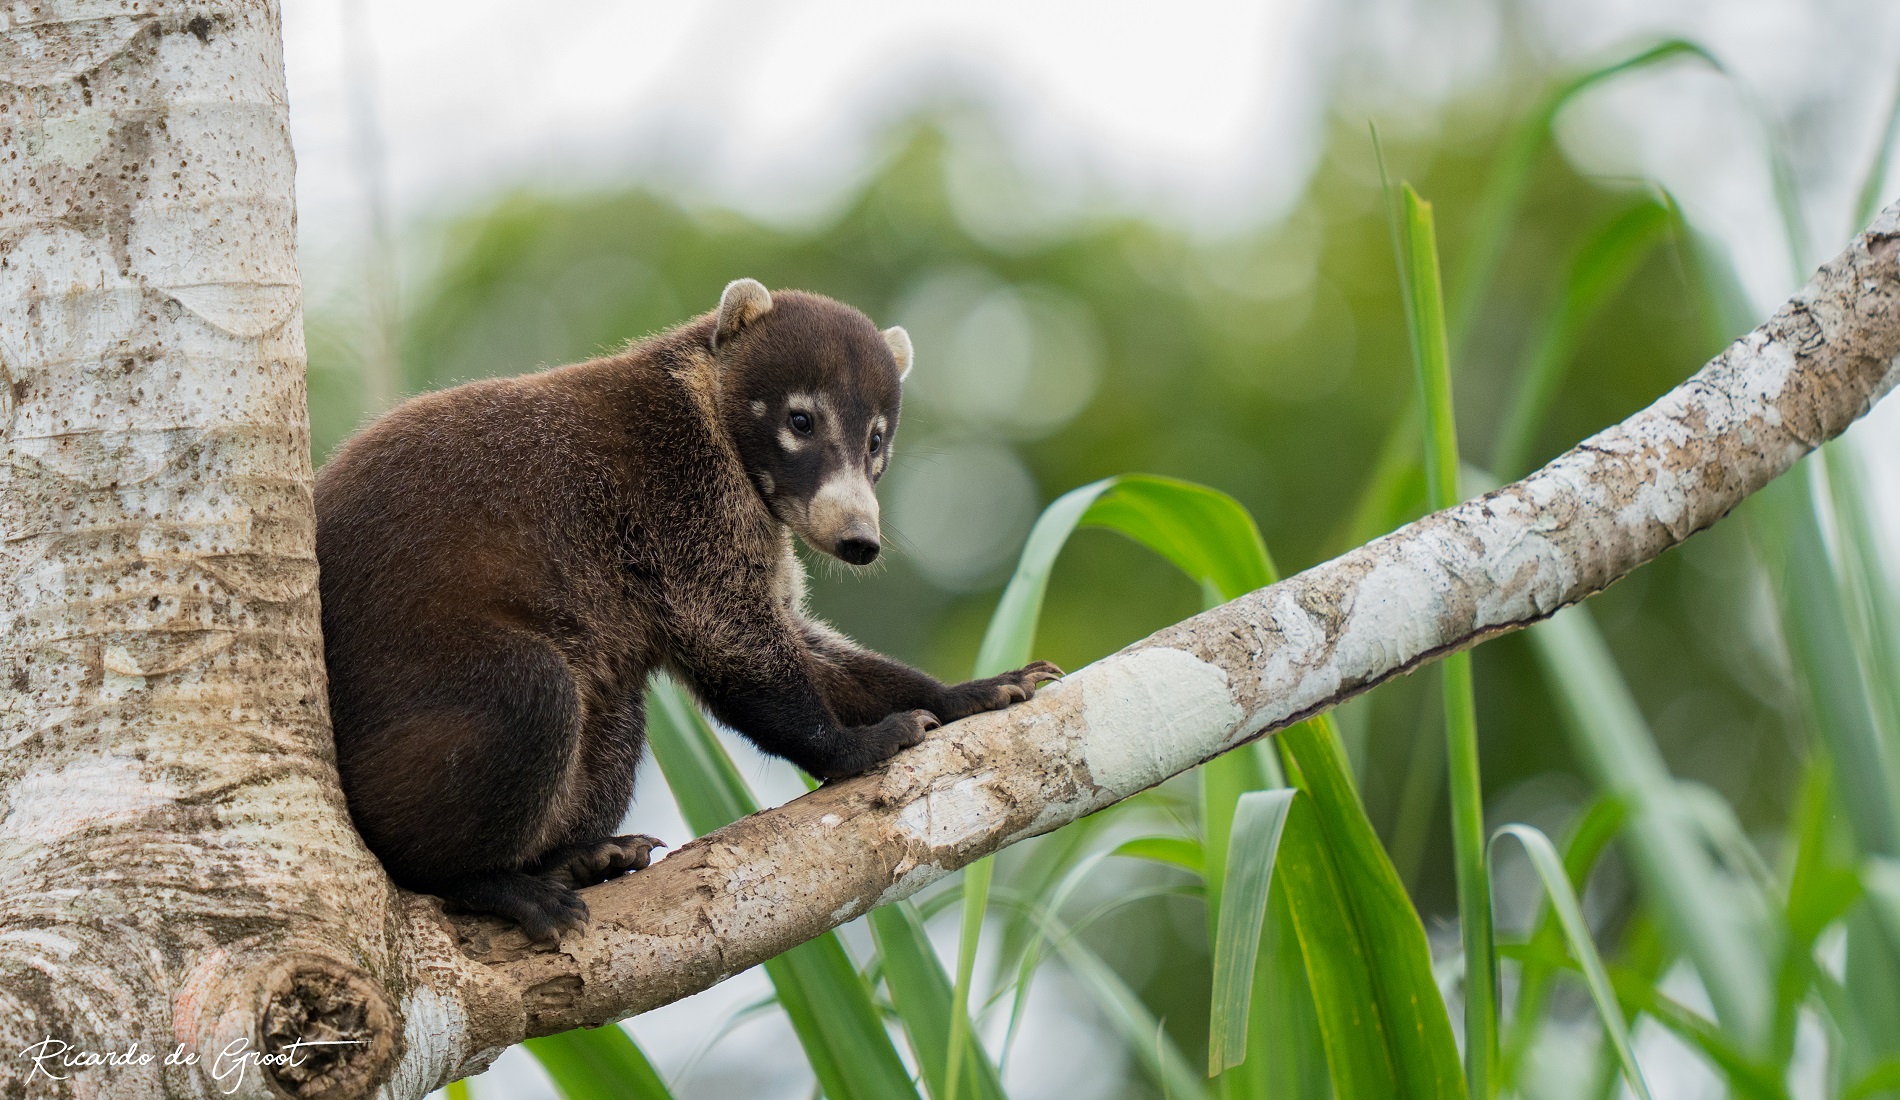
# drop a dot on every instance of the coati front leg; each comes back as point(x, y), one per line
point(753, 670)
point(802, 691)
point(862, 686)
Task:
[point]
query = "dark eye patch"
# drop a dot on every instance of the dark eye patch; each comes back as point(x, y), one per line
point(801, 422)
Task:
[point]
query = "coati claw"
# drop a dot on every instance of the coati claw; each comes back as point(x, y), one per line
point(996, 692)
point(585, 864)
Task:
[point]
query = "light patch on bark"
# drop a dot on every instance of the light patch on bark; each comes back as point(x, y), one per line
point(953, 815)
point(50, 803)
point(1148, 714)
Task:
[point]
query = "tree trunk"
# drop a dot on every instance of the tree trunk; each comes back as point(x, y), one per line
point(179, 881)
point(175, 861)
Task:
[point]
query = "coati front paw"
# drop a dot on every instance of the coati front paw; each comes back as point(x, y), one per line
point(872, 745)
point(995, 692)
point(546, 910)
point(578, 865)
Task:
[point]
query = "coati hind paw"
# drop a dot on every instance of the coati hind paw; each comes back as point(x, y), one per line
point(995, 692)
point(578, 865)
point(544, 909)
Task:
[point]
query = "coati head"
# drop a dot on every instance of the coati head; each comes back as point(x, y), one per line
point(808, 390)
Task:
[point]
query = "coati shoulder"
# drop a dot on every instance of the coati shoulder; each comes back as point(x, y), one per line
point(503, 564)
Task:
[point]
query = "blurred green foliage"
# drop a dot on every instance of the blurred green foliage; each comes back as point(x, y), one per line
point(1270, 362)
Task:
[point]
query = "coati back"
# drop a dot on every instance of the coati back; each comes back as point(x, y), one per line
point(503, 563)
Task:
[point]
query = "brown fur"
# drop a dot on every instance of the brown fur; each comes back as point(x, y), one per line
point(504, 563)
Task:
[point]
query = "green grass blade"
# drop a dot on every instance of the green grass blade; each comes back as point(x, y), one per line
point(1183, 852)
point(1820, 891)
point(1351, 913)
point(1883, 1078)
point(457, 1090)
point(1368, 963)
point(1665, 850)
point(709, 790)
point(1829, 668)
point(1510, 179)
point(1431, 354)
point(1340, 965)
point(1588, 840)
point(976, 898)
point(1253, 845)
point(1154, 1051)
point(922, 996)
point(827, 1001)
point(1282, 1032)
point(1204, 532)
point(1044, 920)
point(1745, 1076)
point(1867, 589)
point(602, 1063)
point(1599, 271)
point(1012, 630)
point(1867, 204)
point(1881, 877)
point(1563, 899)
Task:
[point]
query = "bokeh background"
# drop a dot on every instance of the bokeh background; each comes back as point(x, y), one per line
point(1125, 238)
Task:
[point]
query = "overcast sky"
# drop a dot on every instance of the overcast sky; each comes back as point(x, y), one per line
point(1196, 111)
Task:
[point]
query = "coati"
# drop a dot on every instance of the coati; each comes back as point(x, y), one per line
point(503, 563)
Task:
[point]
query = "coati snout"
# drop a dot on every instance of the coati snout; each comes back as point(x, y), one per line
point(502, 564)
point(816, 399)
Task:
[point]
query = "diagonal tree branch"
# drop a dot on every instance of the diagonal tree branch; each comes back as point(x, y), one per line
point(1258, 664)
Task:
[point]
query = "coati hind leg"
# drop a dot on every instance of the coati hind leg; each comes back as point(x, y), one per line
point(456, 791)
point(585, 851)
point(543, 908)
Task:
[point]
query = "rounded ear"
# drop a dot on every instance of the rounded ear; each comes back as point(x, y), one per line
point(899, 341)
point(744, 301)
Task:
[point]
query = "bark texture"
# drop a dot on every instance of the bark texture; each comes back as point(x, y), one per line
point(176, 864)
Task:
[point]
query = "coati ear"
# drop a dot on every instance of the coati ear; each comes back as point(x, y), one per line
point(744, 301)
point(899, 340)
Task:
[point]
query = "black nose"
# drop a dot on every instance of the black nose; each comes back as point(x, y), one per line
point(857, 551)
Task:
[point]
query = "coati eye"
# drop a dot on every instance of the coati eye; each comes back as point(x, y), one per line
point(801, 423)
point(877, 442)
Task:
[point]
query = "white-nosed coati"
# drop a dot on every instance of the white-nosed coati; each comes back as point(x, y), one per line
point(504, 562)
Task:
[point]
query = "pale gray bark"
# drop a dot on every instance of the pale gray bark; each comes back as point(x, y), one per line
point(176, 865)
point(175, 851)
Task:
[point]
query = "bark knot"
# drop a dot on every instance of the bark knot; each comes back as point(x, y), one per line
point(325, 1030)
